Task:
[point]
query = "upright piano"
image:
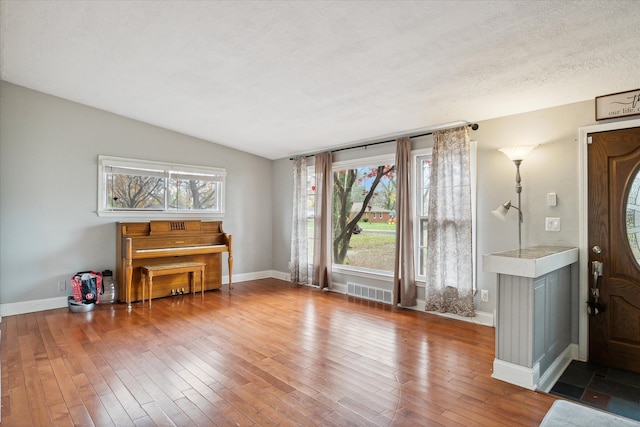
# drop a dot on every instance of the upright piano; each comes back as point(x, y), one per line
point(169, 241)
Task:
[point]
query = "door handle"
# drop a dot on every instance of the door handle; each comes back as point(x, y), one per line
point(596, 268)
point(593, 306)
point(596, 249)
point(596, 272)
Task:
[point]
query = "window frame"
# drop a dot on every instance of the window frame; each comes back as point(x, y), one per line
point(416, 189)
point(311, 175)
point(350, 164)
point(166, 170)
point(420, 279)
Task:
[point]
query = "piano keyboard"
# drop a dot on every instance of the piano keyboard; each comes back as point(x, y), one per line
point(183, 248)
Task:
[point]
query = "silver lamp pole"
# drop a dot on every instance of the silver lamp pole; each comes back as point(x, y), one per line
point(516, 154)
point(519, 193)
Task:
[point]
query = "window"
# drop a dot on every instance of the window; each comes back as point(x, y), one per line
point(360, 191)
point(423, 178)
point(311, 189)
point(422, 174)
point(365, 190)
point(140, 188)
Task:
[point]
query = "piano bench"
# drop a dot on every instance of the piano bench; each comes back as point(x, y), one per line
point(147, 272)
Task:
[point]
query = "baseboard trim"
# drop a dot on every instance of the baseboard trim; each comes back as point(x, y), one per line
point(553, 373)
point(280, 275)
point(32, 306)
point(244, 277)
point(516, 374)
point(530, 378)
point(481, 318)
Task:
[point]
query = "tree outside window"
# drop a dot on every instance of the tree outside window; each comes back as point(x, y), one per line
point(139, 186)
point(358, 240)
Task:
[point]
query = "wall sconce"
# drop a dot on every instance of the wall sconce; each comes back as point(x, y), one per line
point(516, 154)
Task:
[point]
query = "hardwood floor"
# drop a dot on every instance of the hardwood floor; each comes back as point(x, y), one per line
point(266, 353)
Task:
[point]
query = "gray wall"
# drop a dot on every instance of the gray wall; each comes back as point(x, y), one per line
point(282, 183)
point(49, 229)
point(551, 167)
point(48, 185)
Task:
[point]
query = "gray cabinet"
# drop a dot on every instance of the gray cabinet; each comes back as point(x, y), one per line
point(533, 311)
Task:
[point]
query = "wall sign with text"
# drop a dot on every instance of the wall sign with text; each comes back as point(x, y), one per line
point(616, 105)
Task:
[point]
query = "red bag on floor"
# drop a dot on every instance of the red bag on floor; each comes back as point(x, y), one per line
point(86, 287)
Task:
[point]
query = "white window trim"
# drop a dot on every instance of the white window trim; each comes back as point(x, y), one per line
point(367, 273)
point(381, 159)
point(420, 279)
point(109, 161)
point(348, 164)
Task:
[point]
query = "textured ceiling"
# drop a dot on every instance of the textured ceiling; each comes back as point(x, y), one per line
point(277, 78)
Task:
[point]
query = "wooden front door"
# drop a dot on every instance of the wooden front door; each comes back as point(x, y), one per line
point(614, 248)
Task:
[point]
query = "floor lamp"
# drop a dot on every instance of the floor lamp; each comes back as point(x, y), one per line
point(516, 154)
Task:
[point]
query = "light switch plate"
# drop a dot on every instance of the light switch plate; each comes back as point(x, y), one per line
point(552, 224)
point(484, 295)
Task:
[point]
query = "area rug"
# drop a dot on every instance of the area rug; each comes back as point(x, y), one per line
point(563, 413)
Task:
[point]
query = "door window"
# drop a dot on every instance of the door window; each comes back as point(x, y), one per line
point(633, 217)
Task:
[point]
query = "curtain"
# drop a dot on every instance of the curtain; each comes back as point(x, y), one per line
point(298, 265)
point(322, 225)
point(449, 247)
point(404, 283)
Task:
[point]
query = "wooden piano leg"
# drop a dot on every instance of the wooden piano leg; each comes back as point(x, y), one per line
point(150, 288)
point(128, 274)
point(230, 269)
point(128, 268)
point(143, 284)
point(202, 280)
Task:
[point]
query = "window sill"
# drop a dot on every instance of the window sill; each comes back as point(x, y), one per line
point(158, 214)
point(363, 272)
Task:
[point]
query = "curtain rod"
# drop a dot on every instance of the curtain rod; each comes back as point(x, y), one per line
point(473, 126)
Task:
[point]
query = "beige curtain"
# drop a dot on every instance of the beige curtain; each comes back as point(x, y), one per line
point(449, 247)
point(299, 263)
point(322, 259)
point(404, 290)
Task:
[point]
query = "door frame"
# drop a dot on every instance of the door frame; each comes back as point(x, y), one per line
point(583, 197)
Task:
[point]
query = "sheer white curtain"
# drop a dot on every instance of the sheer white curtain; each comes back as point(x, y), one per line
point(449, 245)
point(322, 259)
point(404, 282)
point(298, 265)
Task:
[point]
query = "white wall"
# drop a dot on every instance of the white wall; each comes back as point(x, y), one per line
point(48, 190)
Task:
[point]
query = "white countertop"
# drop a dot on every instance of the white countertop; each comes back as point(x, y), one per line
point(530, 262)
